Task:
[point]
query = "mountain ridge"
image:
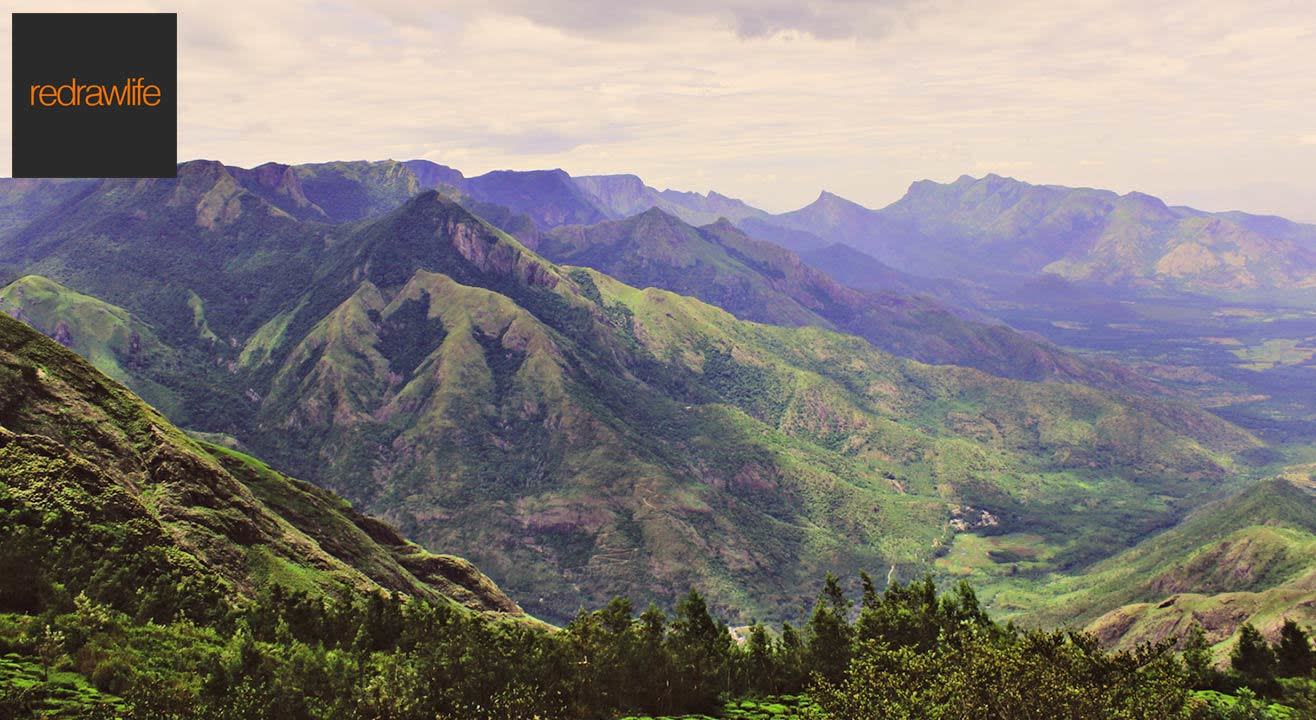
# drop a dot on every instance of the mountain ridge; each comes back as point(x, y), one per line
point(200, 523)
point(577, 437)
point(759, 281)
point(1083, 234)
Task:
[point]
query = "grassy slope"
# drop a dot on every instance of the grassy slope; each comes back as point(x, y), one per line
point(113, 340)
point(88, 465)
point(594, 438)
point(1246, 558)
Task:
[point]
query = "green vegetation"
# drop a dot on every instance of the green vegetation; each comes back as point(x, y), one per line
point(1248, 558)
point(578, 438)
point(117, 343)
point(775, 707)
point(150, 577)
point(100, 495)
point(1275, 352)
point(354, 190)
point(583, 439)
point(285, 654)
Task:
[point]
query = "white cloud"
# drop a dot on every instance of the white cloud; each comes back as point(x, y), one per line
point(769, 100)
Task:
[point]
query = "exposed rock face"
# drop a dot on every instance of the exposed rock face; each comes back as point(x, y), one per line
point(281, 185)
point(490, 255)
point(432, 175)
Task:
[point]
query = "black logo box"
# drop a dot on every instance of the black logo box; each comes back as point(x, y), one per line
point(104, 49)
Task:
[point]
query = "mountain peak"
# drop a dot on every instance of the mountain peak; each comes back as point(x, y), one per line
point(202, 173)
point(1143, 198)
point(655, 213)
point(548, 197)
point(828, 199)
point(272, 174)
point(621, 179)
point(198, 165)
point(1148, 207)
point(722, 224)
point(658, 216)
point(431, 174)
point(556, 174)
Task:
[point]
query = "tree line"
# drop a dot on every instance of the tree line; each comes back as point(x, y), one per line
point(906, 651)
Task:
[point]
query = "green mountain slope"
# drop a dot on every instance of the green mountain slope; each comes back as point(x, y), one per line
point(1251, 558)
point(102, 495)
point(118, 344)
point(1248, 558)
point(25, 199)
point(577, 437)
point(356, 190)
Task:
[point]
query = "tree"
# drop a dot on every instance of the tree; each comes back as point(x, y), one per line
point(1252, 657)
point(50, 646)
point(605, 650)
point(963, 608)
point(653, 675)
point(1197, 659)
point(758, 662)
point(870, 597)
point(791, 661)
point(911, 615)
point(700, 649)
point(1293, 655)
point(991, 673)
point(830, 632)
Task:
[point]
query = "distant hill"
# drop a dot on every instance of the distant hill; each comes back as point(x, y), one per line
point(974, 228)
point(626, 195)
point(549, 197)
point(1249, 558)
point(432, 175)
point(26, 199)
point(759, 281)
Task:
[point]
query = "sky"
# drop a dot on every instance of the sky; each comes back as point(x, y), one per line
point(1209, 104)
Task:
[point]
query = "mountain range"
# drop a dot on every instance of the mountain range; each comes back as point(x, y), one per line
point(760, 281)
point(589, 397)
point(974, 228)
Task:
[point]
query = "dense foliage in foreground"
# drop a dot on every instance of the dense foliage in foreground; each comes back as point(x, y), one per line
point(145, 575)
point(909, 654)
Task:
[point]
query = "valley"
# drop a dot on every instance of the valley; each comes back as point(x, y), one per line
point(587, 406)
point(562, 360)
point(598, 438)
point(1250, 362)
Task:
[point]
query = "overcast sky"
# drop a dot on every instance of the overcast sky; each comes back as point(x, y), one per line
point(1211, 104)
